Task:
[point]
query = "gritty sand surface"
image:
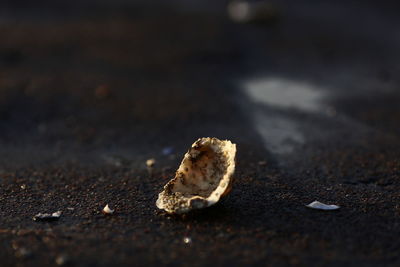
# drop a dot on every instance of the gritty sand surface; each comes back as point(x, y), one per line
point(87, 95)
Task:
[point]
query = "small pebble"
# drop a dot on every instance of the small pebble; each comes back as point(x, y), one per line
point(187, 240)
point(61, 260)
point(150, 162)
point(107, 210)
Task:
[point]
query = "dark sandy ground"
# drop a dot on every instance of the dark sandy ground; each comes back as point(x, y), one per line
point(88, 94)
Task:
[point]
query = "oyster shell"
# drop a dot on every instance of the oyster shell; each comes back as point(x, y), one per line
point(204, 176)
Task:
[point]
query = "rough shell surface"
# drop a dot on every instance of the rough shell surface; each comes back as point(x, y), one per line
point(204, 176)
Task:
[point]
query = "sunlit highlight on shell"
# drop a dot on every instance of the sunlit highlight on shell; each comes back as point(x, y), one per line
point(204, 176)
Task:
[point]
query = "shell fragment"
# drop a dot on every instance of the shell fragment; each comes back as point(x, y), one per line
point(321, 206)
point(47, 216)
point(204, 176)
point(107, 210)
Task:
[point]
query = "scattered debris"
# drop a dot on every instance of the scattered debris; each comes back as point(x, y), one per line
point(107, 210)
point(47, 216)
point(204, 176)
point(243, 11)
point(321, 206)
point(167, 150)
point(187, 240)
point(150, 163)
point(70, 208)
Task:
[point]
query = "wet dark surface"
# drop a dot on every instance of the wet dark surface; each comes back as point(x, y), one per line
point(88, 94)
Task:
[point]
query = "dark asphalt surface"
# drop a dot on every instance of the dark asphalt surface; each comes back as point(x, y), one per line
point(89, 92)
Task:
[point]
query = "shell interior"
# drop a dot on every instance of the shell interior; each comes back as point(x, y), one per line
point(204, 175)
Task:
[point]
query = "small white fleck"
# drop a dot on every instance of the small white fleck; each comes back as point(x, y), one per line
point(23, 186)
point(70, 208)
point(187, 240)
point(56, 214)
point(321, 206)
point(107, 210)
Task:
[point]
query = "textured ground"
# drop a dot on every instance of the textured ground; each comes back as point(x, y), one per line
point(89, 93)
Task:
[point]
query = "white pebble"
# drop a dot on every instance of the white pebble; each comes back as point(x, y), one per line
point(107, 210)
point(187, 240)
point(150, 162)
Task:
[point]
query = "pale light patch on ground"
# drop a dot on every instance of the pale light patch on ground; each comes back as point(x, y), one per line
point(280, 133)
point(280, 92)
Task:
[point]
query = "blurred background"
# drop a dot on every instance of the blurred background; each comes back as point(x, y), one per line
point(89, 90)
point(114, 75)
